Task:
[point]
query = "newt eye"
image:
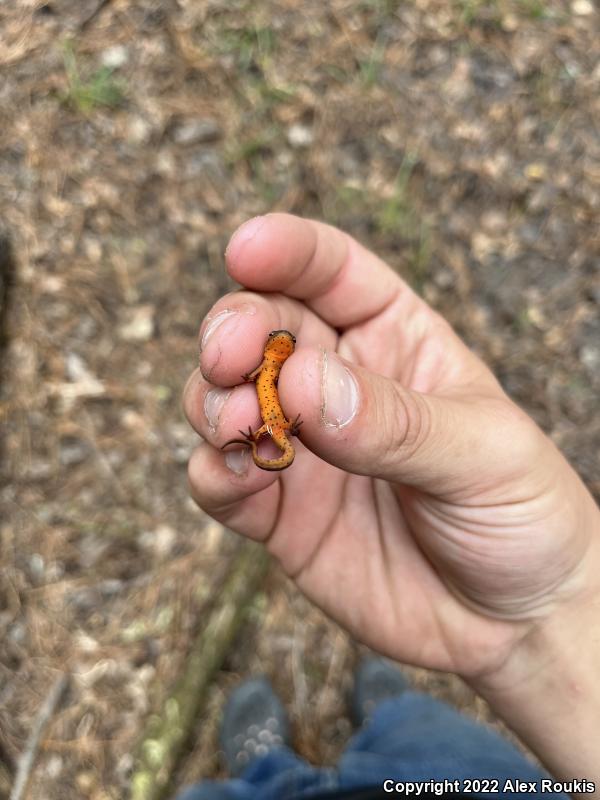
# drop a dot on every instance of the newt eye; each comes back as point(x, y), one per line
point(294, 339)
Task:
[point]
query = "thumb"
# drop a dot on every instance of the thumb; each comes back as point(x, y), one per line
point(372, 425)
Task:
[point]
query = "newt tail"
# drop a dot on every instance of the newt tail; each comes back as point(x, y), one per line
point(278, 348)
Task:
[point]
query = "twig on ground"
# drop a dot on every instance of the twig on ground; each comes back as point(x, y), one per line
point(162, 742)
point(27, 758)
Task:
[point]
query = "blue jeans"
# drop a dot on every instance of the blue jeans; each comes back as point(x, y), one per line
point(411, 737)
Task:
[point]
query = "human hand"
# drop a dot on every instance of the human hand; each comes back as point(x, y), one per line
point(424, 511)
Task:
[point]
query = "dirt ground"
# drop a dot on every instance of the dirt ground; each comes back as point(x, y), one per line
point(459, 139)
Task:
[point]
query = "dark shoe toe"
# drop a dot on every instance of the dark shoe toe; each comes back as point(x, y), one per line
point(375, 680)
point(254, 722)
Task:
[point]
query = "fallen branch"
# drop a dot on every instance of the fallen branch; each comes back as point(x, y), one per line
point(27, 758)
point(167, 732)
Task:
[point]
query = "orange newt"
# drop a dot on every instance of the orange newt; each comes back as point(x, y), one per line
point(279, 346)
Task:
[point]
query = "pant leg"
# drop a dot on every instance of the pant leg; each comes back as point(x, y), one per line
point(279, 775)
point(415, 737)
point(410, 738)
point(207, 790)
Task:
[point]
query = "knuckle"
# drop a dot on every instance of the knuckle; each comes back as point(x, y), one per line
point(407, 423)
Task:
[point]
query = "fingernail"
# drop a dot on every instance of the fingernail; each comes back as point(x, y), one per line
point(339, 392)
point(213, 405)
point(243, 235)
point(238, 460)
point(213, 324)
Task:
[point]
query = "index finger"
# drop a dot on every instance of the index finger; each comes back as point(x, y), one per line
point(339, 279)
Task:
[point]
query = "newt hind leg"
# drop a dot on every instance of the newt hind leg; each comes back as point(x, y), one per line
point(250, 437)
point(295, 426)
point(254, 436)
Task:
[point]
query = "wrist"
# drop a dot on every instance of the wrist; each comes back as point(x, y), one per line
point(547, 689)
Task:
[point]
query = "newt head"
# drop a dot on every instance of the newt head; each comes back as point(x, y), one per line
point(280, 345)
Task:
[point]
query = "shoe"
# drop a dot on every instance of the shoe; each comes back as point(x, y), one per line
point(375, 680)
point(254, 723)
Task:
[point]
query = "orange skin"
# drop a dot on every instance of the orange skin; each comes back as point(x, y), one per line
point(279, 347)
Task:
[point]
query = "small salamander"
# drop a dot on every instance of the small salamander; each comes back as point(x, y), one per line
point(279, 346)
